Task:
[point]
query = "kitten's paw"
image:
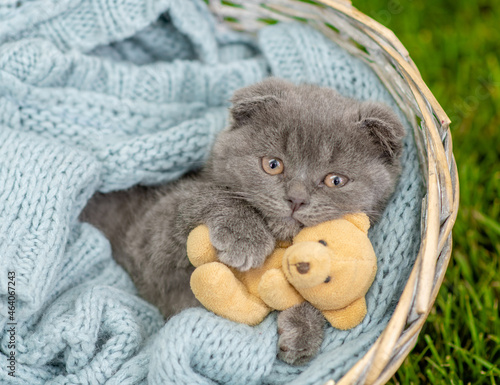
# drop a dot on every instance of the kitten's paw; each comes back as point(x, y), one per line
point(301, 331)
point(242, 243)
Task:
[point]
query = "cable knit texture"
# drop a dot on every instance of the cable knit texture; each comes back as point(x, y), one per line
point(102, 95)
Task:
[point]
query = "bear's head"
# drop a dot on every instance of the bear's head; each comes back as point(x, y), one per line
point(332, 264)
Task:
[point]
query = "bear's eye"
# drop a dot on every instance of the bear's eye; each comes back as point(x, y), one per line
point(322, 242)
point(272, 166)
point(328, 279)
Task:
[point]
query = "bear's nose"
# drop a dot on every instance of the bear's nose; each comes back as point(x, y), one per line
point(302, 267)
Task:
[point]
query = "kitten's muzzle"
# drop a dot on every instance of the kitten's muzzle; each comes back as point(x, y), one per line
point(297, 195)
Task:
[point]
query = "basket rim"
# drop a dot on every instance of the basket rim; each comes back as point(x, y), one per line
point(423, 272)
point(439, 209)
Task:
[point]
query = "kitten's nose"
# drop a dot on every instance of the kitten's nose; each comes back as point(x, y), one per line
point(295, 203)
point(297, 195)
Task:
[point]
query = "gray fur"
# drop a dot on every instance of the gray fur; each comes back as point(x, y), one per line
point(301, 331)
point(315, 131)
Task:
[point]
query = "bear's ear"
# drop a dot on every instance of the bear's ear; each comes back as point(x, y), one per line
point(360, 220)
point(384, 127)
point(250, 101)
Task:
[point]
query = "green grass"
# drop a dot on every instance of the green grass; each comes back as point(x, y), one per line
point(456, 46)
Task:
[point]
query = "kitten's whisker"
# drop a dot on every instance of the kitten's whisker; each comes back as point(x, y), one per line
point(228, 192)
point(236, 195)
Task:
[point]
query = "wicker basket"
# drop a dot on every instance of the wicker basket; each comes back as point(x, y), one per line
point(384, 53)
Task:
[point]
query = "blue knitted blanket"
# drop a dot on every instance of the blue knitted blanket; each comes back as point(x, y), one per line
point(102, 95)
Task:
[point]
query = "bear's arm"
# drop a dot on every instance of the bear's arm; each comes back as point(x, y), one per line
point(199, 248)
point(276, 292)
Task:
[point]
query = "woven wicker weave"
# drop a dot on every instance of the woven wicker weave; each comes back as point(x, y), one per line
point(384, 53)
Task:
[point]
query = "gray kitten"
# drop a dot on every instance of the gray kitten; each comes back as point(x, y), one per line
point(293, 156)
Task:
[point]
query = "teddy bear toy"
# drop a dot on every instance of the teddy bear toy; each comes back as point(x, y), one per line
point(331, 265)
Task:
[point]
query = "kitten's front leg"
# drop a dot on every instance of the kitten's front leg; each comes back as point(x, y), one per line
point(236, 229)
point(301, 330)
point(241, 237)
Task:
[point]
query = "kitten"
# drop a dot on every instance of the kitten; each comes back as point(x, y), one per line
point(293, 156)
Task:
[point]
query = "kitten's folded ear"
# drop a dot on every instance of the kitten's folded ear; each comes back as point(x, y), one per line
point(384, 126)
point(256, 99)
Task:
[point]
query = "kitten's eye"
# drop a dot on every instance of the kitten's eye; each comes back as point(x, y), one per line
point(328, 279)
point(335, 180)
point(272, 166)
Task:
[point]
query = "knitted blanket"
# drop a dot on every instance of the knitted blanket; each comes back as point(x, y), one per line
point(101, 95)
